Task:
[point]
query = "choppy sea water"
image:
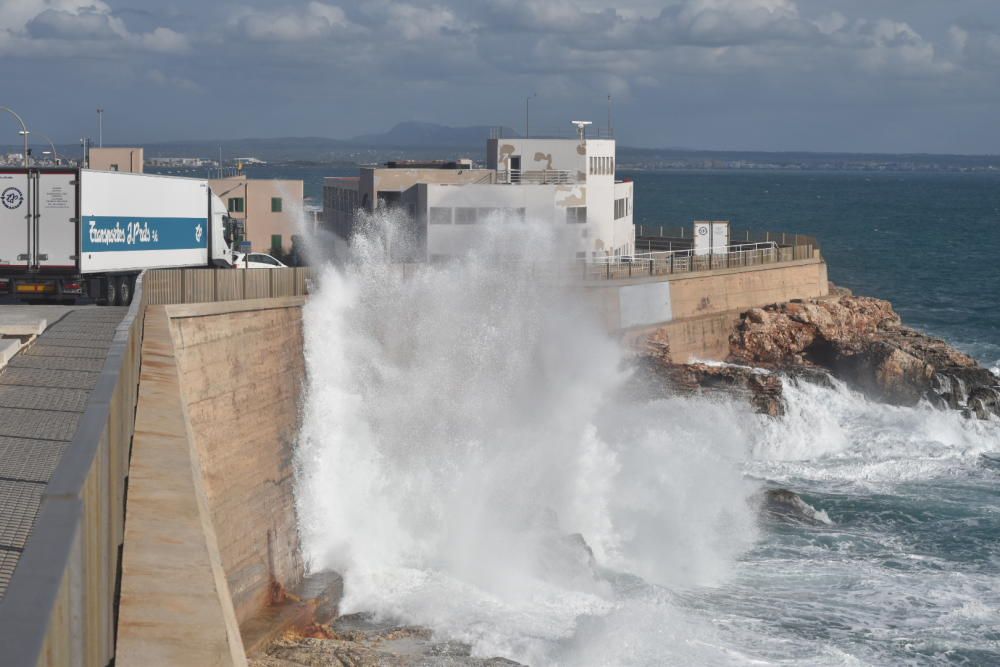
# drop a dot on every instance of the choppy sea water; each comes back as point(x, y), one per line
point(460, 424)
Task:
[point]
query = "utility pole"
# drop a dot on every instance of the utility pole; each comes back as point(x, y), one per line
point(83, 144)
point(100, 128)
point(527, 110)
point(23, 132)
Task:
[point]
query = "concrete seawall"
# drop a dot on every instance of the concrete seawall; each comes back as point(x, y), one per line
point(696, 311)
point(210, 531)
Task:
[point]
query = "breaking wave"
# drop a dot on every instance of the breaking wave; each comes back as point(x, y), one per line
point(468, 462)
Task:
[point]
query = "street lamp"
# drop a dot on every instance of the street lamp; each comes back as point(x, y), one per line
point(23, 132)
point(100, 128)
point(84, 162)
point(55, 154)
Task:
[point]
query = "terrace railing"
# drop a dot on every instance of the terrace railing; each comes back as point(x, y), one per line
point(538, 177)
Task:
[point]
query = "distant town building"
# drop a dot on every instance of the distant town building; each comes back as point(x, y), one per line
point(271, 209)
point(569, 183)
point(122, 158)
point(186, 162)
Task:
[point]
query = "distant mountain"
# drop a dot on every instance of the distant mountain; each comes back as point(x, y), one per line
point(415, 134)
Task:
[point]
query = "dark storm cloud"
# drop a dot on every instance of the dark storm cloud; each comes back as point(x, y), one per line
point(763, 74)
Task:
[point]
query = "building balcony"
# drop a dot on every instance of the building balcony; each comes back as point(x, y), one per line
point(539, 177)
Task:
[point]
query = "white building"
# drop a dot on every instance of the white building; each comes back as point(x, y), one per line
point(569, 183)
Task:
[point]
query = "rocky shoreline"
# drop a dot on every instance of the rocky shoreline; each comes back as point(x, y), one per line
point(861, 341)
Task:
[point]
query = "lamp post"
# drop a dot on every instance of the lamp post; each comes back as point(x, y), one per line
point(83, 144)
point(23, 132)
point(100, 128)
point(55, 153)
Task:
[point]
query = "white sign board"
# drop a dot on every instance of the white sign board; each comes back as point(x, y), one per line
point(702, 238)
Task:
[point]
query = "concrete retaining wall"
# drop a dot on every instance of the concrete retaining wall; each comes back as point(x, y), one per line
point(646, 302)
point(241, 373)
point(210, 527)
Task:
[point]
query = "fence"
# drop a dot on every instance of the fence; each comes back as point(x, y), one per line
point(200, 285)
point(686, 261)
point(684, 234)
point(60, 607)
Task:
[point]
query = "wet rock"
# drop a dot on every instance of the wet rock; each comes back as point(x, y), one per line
point(990, 461)
point(360, 640)
point(760, 388)
point(787, 505)
point(863, 342)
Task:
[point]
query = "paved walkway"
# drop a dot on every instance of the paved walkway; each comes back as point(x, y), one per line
point(43, 393)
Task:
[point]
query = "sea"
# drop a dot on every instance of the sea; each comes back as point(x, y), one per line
point(464, 434)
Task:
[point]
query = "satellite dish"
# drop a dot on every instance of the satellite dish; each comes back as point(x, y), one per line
point(581, 128)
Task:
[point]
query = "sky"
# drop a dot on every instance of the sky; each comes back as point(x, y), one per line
point(810, 75)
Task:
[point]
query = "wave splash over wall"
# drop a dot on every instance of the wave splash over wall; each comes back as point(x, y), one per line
point(462, 432)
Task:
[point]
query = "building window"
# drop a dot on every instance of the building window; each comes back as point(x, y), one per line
point(465, 216)
point(576, 215)
point(275, 204)
point(236, 205)
point(276, 245)
point(114, 167)
point(439, 215)
point(490, 215)
point(621, 208)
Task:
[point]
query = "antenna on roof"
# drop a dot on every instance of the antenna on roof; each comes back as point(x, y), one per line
point(581, 128)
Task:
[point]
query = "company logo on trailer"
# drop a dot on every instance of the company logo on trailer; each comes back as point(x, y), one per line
point(12, 198)
point(197, 234)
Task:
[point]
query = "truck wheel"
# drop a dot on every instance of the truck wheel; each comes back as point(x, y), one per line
point(110, 292)
point(124, 291)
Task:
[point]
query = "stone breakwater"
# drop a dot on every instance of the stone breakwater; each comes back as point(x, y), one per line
point(858, 340)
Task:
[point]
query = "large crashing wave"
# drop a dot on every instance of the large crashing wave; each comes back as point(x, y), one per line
point(461, 423)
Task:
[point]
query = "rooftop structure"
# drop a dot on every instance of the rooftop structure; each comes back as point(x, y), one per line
point(568, 182)
point(122, 158)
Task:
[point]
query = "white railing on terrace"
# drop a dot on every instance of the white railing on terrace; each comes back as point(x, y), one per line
point(687, 261)
point(538, 177)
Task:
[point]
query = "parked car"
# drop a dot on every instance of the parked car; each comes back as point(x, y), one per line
point(256, 260)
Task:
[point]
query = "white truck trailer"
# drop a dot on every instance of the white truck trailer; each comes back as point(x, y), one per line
point(66, 233)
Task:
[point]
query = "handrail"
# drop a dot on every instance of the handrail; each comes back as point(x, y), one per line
point(537, 176)
point(783, 239)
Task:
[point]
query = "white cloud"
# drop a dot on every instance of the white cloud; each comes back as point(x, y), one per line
point(66, 27)
point(169, 81)
point(315, 19)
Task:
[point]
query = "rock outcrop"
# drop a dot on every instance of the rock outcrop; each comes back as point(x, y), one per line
point(859, 340)
point(862, 341)
point(760, 388)
point(358, 640)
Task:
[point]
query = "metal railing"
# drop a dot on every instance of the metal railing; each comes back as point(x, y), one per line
point(60, 607)
point(592, 132)
point(688, 261)
point(538, 177)
point(681, 234)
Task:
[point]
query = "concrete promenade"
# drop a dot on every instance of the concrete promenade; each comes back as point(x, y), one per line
point(43, 393)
